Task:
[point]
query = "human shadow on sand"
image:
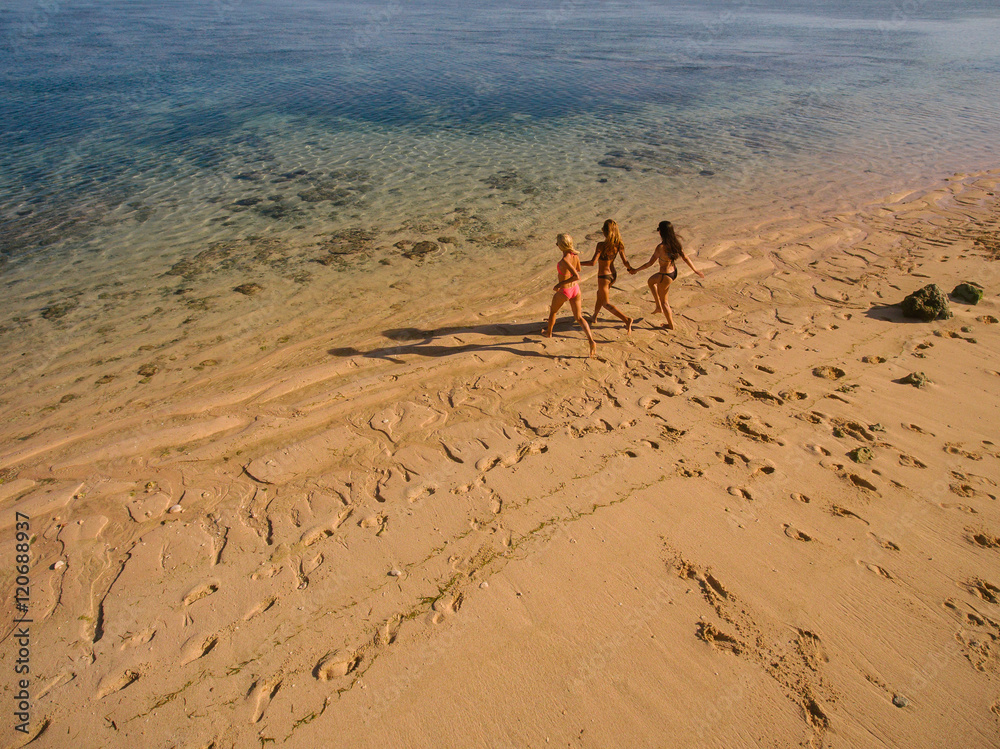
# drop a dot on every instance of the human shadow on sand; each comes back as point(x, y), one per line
point(423, 342)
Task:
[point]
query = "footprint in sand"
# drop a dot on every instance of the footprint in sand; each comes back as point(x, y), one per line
point(200, 591)
point(885, 543)
point(719, 640)
point(876, 569)
point(843, 512)
point(765, 368)
point(984, 539)
point(795, 534)
point(955, 448)
point(861, 483)
point(983, 589)
point(799, 497)
point(958, 506)
point(331, 667)
point(739, 491)
point(764, 396)
point(793, 395)
point(731, 456)
point(911, 462)
point(917, 429)
point(116, 683)
point(811, 649)
point(262, 694)
point(197, 647)
point(446, 606)
point(260, 608)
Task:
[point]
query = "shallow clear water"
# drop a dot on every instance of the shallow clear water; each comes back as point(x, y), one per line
point(133, 134)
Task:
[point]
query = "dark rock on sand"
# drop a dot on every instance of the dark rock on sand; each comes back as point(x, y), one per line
point(346, 242)
point(917, 379)
point(969, 293)
point(250, 176)
point(339, 195)
point(829, 373)
point(147, 370)
point(248, 289)
point(274, 210)
point(59, 309)
point(928, 303)
point(861, 454)
point(448, 240)
point(246, 202)
point(403, 244)
point(420, 249)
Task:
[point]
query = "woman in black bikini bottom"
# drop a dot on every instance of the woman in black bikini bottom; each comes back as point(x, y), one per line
point(606, 252)
point(667, 253)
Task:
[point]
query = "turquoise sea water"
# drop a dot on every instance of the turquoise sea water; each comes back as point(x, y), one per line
point(133, 134)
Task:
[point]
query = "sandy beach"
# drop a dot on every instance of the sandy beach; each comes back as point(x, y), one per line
point(426, 525)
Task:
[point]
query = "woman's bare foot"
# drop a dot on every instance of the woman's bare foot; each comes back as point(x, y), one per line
point(628, 325)
point(593, 351)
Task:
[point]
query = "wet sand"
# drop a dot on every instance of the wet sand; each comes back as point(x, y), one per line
point(382, 510)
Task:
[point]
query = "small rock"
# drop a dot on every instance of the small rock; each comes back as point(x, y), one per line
point(829, 373)
point(67, 398)
point(420, 249)
point(861, 454)
point(248, 201)
point(58, 309)
point(969, 293)
point(248, 289)
point(928, 303)
point(484, 584)
point(176, 509)
point(395, 573)
point(448, 240)
point(899, 700)
point(917, 379)
point(966, 328)
point(105, 380)
point(147, 370)
point(58, 565)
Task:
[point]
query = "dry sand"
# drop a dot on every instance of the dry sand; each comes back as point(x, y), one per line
point(470, 536)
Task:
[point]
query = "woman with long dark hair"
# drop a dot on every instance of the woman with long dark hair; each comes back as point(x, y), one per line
point(667, 253)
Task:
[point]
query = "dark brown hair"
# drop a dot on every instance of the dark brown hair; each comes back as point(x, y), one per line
point(670, 240)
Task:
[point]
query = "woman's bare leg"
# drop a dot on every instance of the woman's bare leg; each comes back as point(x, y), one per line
point(577, 308)
point(655, 292)
point(602, 301)
point(669, 313)
point(557, 301)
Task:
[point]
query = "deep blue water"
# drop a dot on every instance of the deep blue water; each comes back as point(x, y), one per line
point(99, 98)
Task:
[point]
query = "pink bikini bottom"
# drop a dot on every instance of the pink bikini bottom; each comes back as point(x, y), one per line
point(571, 291)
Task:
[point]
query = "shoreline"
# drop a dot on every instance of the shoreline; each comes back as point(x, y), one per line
point(792, 586)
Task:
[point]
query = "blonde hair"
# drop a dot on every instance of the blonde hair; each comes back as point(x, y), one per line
point(611, 233)
point(565, 242)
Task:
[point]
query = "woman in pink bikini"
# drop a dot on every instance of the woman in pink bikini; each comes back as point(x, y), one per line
point(568, 288)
